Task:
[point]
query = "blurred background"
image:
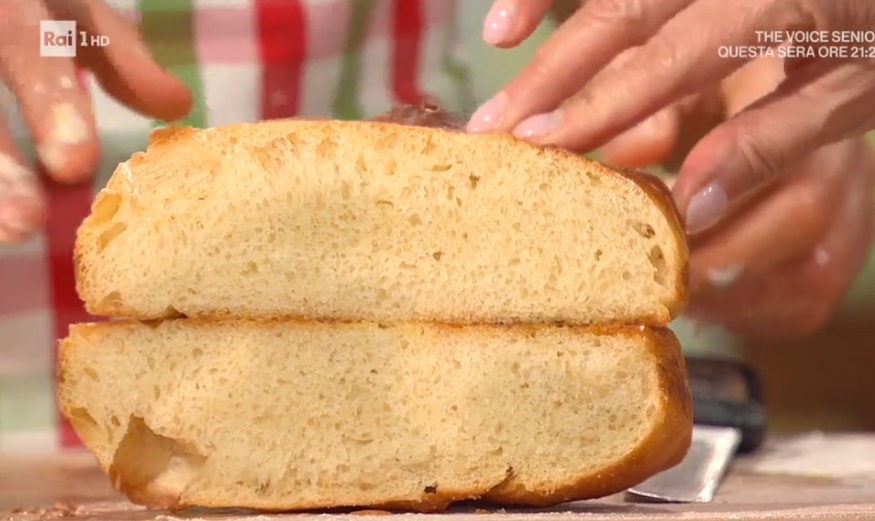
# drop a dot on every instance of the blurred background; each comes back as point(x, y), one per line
point(825, 382)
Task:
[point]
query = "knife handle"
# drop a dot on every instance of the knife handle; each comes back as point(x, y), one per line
point(727, 393)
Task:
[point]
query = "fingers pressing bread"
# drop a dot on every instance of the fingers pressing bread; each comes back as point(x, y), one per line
point(605, 28)
point(569, 96)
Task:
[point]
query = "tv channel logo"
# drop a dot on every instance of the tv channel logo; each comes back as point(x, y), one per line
point(59, 39)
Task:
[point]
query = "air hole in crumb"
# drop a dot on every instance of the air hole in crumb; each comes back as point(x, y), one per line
point(437, 255)
point(660, 266)
point(114, 421)
point(391, 167)
point(105, 208)
point(644, 229)
point(383, 202)
point(428, 147)
point(108, 235)
point(441, 168)
point(171, 312)
point(598, 255)
point(84, 423)
point(474, 181)
point(431, 489)
point(415, 219)
point(145, 460)
point(111, 301)
point(197, 353)
point(86, 426)
point(91, 373)
point(627, 275)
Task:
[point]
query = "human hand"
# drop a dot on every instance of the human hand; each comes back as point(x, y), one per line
point(782, 260)
point(569, 97)
point(56, 110)
point(780, 267)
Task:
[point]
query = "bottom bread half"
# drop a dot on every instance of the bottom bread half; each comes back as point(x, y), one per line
point(307, 415)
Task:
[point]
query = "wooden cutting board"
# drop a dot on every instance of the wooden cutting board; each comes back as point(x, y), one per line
point(814, 477)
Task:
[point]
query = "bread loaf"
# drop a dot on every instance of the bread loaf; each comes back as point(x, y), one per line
point(279, 415)
point(377, 221)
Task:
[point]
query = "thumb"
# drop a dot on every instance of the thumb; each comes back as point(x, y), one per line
point(648, 143)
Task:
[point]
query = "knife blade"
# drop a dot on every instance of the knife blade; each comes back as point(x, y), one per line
point(728, 419)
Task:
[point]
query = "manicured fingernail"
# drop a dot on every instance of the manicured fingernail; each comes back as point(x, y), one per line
point(725, 277)
point(497, 23)
point(489, 116)
point(821, 257)
point(68, 129)
point(706, 208)
point(538, 126)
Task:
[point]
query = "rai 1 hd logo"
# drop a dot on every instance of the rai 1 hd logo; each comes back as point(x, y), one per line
point(59, 39)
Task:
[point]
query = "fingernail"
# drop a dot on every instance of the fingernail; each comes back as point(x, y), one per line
point(821, 257)
point(706, 208)
point(538, 126)
point(725, 277)
point(489, 116)
point(497, 23)
point(52, 155)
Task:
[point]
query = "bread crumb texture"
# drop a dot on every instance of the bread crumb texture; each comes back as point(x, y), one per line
point(372, 221)
point(298, 415)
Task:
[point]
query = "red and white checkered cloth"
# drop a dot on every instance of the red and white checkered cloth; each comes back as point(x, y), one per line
point(244, 60)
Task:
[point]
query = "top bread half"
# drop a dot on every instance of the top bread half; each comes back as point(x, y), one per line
point(378, 221)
